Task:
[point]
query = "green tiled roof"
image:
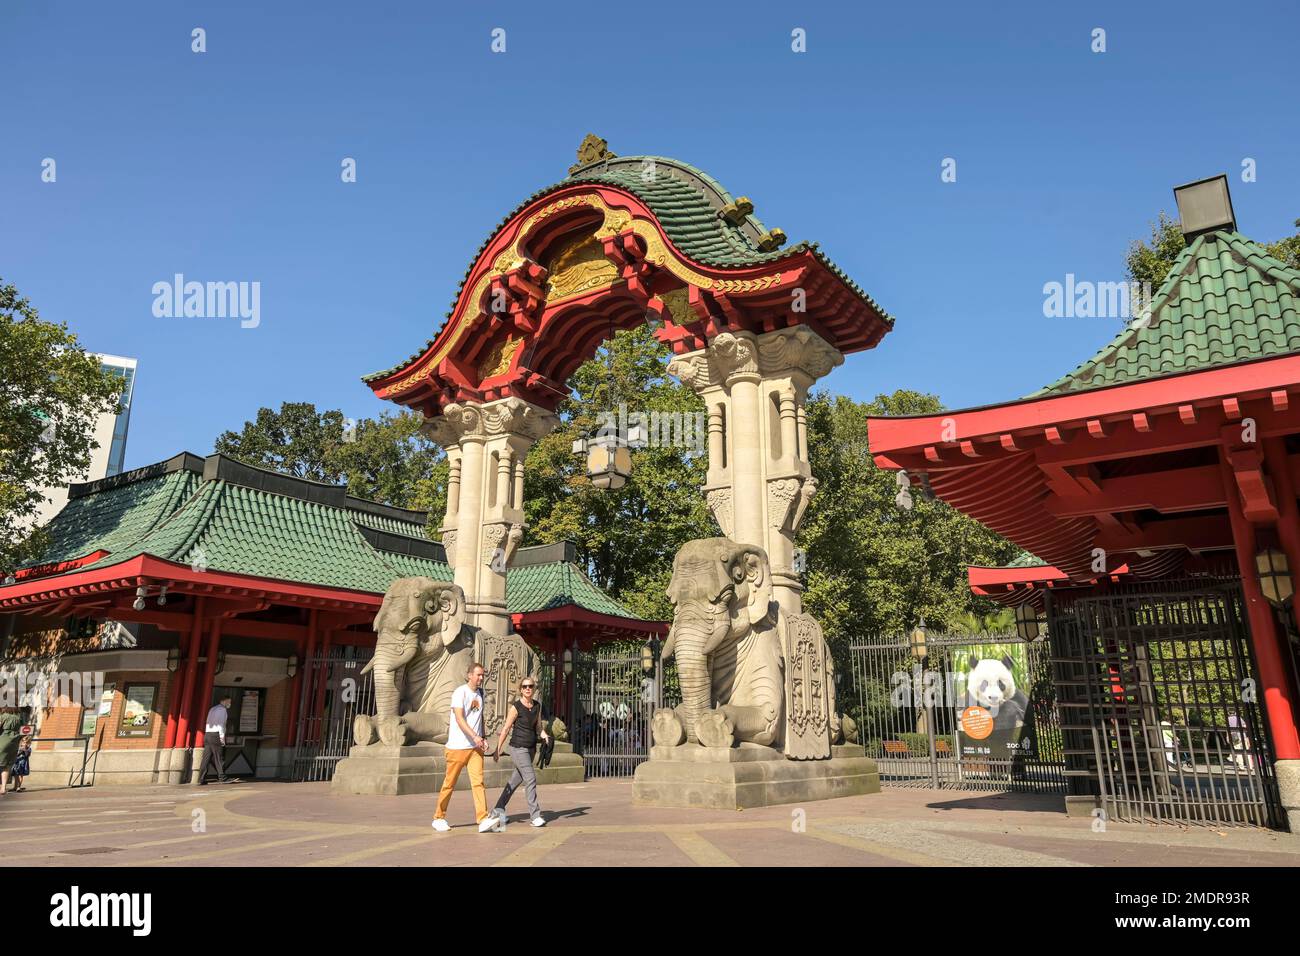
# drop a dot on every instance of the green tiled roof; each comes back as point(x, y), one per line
point(1225, 300)
point(115, 518)
point(246, 531)
point(541, 587)
point(243, 520)
point(409, 529)
point(686, 201)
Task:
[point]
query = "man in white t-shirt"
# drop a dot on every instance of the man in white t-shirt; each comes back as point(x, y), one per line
point(465, 748)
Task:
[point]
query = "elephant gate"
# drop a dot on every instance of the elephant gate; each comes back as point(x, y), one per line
point(959, 712)
point(333, 691)
point(615, 697)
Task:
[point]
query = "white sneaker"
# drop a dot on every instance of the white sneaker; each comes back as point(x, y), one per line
point(538, 822)
point(441, 825)
point(489, 823)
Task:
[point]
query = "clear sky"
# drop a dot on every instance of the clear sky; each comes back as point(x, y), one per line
point(225, 166)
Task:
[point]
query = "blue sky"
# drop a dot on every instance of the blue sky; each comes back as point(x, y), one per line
point(225, 166)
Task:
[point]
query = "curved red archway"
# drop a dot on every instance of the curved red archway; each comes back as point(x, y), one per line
point(584, 259)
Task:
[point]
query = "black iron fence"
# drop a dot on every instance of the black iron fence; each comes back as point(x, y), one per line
point(616, 697)
point(957, 711)
point(1162, 703)
point(333, 692)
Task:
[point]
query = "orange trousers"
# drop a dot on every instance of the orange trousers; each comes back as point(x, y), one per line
point(457, 760)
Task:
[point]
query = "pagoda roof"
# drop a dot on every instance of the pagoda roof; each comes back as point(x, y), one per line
point(1125, 456)
point(1225, 300)
point(240, 520)
point(687, 202)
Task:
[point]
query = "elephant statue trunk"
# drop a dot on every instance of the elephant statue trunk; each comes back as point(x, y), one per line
point(692, 636)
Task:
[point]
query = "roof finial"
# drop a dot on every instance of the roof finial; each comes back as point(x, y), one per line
point(593, 150)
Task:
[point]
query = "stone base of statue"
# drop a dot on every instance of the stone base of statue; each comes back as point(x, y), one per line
point(420, 767)
point(749, 775)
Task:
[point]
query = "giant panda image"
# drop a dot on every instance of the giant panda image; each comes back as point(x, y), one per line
point(991, 684)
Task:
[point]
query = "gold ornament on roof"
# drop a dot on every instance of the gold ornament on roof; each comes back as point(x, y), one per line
point(593, 150)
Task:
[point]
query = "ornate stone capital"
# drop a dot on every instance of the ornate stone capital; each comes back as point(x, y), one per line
point(797, 349)
point(509, 416)
point(734, 356)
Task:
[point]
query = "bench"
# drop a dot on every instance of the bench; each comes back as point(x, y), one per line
point(894, 747)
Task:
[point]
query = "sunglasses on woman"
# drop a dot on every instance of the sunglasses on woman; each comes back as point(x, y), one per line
point(527, 686)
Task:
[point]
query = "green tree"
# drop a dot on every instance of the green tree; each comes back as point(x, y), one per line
point(51, 393)
point(874, 566)
point(625, 538)
point(296, 440)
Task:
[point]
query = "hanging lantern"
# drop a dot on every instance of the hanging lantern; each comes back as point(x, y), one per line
point(1274, 576)
point(609, 459)
point(1027, 623)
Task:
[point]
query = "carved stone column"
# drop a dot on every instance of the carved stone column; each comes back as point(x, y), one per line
point(484, 523)
point(759, 482)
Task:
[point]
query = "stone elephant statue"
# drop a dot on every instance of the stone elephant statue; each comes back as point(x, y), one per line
point(423, 649)
point(748, 671)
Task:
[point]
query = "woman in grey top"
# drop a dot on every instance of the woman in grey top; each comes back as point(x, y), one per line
point(524, 725)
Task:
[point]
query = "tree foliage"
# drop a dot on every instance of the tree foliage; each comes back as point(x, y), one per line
point(872, 565)
point(51, 394)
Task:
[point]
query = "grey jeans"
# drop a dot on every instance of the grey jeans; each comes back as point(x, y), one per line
point(525, 774)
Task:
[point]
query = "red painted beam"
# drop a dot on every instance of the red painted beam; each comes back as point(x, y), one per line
point(1169, 492)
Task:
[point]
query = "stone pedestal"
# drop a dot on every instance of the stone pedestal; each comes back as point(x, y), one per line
point(749, 775)
point(420, 767)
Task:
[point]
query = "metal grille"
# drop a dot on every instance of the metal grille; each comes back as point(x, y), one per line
point(333, 692)
point(1163, 692)
point(912, 704)
point(615, 703)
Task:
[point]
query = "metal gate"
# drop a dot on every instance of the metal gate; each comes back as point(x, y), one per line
point(954, 711)
point(1165, 717)
point(333, 692)
point(616, 697)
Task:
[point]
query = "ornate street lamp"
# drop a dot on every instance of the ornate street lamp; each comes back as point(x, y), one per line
point(173, 659)
point(568, 662)
point(647, 657)
point(291, 666)
point(1027, 623)
point(1274, 577)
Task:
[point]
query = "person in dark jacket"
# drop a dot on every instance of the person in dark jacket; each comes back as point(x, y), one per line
point(22, 763)
point(524, 725)
point(11, 727)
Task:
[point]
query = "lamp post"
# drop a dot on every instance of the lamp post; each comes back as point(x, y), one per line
point(1027, 623)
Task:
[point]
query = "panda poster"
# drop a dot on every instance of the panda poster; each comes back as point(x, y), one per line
point(994, 718)
point(137, 710)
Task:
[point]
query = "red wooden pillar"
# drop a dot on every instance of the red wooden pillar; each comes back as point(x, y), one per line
point(295, 689)
point(317, 715)
point(180, 737)
point(1265, 639)
point(1288, 525)
point(561, 694)
point(204, 702)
